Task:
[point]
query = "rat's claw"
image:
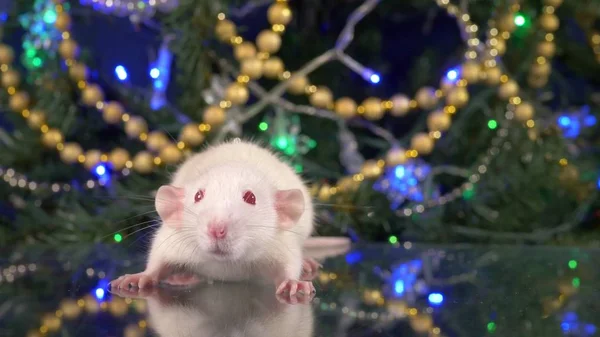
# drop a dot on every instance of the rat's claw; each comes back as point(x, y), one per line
point(281, 287)
point(133, 292)
point(139, 280)
point(303, 293)
point(292, 287)
point(116, 284)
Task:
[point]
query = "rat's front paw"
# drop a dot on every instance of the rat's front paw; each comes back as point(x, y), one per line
point(133, 292)
point(298, 298)
point(294, 286)
point(139, 280)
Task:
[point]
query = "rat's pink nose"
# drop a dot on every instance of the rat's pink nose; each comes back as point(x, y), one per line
point(217, 230)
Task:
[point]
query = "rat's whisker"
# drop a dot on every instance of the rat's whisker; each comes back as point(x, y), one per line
point(347, 206)
point(137, 215)
point(123, 229)
point(270, 227)
point(166, 239)
point(128, 227)
point(143, 236)
point(126, 197)
point(141, 229)
point(170, 135)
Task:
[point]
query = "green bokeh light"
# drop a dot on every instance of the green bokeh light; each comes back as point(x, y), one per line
point(492, 124)
point(263, 126)
point(118, 237)
point(36, 62)
point(281, 142)
point(519, 20)
point(393, 239)
point(491, 326)
point(469, 193)
point(290, 150)
point(572, 264)
point(49, 16)
point(576, 282)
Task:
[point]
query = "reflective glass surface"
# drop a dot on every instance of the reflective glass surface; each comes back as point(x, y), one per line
point(374, 290)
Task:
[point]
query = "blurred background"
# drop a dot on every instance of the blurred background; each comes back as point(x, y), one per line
point(441, 122)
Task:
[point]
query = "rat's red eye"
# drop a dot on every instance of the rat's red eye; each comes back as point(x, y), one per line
point(249, 198)
point(199, 196)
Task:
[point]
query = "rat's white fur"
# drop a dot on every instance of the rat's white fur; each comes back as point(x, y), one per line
point(230, 309)
point(255, 243)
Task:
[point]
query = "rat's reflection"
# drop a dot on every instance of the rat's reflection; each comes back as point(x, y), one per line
point(225, 309)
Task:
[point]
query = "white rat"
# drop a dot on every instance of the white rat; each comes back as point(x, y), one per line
point(233, 212)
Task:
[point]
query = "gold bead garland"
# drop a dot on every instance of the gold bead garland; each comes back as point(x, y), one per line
point(92, 95)
point(15, 179)
point(254, 65)
point(424, 142)
point(372, 108)
point(594, 37)
point(540, 69)
point(112, 112)
point(14, 272)
point(51, 138)
point(500, 29)
point(256, 60)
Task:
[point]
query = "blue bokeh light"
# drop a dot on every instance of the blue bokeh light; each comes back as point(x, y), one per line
point(590, 329)
point(154, 73)
point(353, 257)
point(590, 120)
point(99, 293)
point(375, 78)
point(564, 121)
point(160, 73)
point(121, 73)
point(452, 74)
point(404, 183)
point(102, 173)
point(400, 171)
point(404, 277)
point(572, 123)
point(100, 170)
point(399, 287)
point(436, 298)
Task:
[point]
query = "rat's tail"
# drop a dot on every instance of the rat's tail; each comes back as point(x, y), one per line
point(326, 242)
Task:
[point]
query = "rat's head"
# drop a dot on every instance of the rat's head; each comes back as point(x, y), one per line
point(231, 211)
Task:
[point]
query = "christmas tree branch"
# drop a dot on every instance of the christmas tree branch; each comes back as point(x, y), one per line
point(260, 92)
point(337, 52)
point(347, 34)
point(279, 89)
point(248, 8)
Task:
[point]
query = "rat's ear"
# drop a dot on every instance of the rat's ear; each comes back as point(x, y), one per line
point(289, 205)
point(169, 205)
